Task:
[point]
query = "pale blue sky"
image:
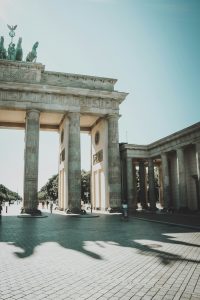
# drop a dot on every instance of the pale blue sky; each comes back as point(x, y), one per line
point(151, 46)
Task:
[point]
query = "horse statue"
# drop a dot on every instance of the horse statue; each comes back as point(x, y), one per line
point(18, 51)
point(2, 49)
point(33, 54)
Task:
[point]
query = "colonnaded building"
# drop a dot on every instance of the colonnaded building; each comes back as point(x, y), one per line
point(34, 99)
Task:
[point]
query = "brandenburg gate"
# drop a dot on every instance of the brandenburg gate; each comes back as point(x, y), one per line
point(33, 98)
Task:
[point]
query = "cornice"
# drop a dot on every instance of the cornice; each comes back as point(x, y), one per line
point(47, 89)
point(82, 77)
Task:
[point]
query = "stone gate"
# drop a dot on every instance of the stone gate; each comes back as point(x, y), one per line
point(34, 99)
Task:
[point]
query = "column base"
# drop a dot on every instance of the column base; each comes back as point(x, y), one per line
point(75, 210)
point(31, 211)
point(112, 210)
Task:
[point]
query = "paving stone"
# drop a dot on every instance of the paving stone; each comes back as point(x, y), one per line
point(60, 257)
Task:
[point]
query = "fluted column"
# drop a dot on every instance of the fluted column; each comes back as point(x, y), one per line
point(31, 155)
point(74, 163)
point(165, 177)
point(160, 185)
point(142, 193)
point(198, 173)
point(152, 195)
point(114, 176)
point(131, 184)
point(181, 179)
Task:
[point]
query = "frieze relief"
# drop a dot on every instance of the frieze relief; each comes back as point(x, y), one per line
point(99, 103)
point(19, 75)
point(65, 102)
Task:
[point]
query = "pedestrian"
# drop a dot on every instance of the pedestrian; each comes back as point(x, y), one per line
point(51, 206)
point(1, 208)
point(47, 204)
point(6, 205)
point(42, 204)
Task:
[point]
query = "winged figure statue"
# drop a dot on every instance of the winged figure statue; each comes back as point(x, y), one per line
point(12, 30)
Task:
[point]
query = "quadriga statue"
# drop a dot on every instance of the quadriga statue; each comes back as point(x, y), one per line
point(19, 52)
point(31, 57)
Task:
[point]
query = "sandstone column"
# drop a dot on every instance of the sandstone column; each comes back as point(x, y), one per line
point(30, 201)
point(181, 179)
point(74, 163)
point(165, 176)
point(198, 173)
point(131, 184)
point(142, 192)
point(114, 177)
point(160, 185)
point(152, 195)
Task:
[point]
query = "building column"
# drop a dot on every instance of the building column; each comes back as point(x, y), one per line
point(74, 163)
point(31, 155)
point(165, 180)
point(152, 195)
point(160, 185)
point(198, 173)
point(181, 179)
point(131, 185)
point(114, 176)
point(142, 192)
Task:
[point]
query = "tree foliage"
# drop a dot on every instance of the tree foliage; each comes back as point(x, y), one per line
point(50, 189)
point(85, 186)
point(6, 194)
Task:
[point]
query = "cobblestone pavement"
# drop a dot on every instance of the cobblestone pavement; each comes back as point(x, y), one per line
point(63, 257)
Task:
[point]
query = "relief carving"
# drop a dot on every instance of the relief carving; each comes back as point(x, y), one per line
point(22, 75)
point(98, 157)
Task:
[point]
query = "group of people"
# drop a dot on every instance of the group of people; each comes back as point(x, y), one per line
point(6, 206)
point(49, 204)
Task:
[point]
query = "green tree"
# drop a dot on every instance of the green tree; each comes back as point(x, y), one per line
point(6, 194)
point(85, 186)
point(50, 189)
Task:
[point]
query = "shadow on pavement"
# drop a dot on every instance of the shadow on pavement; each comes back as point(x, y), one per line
point(73, 233)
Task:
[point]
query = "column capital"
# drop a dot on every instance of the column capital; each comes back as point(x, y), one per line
point(33, 112)
point(70, 114)
point(113, 116)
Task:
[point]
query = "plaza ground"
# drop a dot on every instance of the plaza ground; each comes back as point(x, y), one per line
point(65, 257)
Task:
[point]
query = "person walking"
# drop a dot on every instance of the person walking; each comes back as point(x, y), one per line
point(1, 208)
point(47, 203)
point(51, 206)
point(6, 205)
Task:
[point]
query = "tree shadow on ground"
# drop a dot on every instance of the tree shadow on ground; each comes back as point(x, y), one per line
point(73, 233)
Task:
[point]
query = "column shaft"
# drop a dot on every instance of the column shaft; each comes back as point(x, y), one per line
point(114, 176)
point(31, 156)
point(74, 163)
point(198, 174)
point(181, 179)
point(165, 177)
point(131, 185)
point(142, 192)
point(152, 195)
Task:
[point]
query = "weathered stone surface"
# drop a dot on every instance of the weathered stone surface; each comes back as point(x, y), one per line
point(20, 71)
point(30, 199)
point(74, 163)
point(54, 95)
point(114, 177)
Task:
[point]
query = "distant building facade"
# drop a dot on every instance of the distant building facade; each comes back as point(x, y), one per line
point(165, 172)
